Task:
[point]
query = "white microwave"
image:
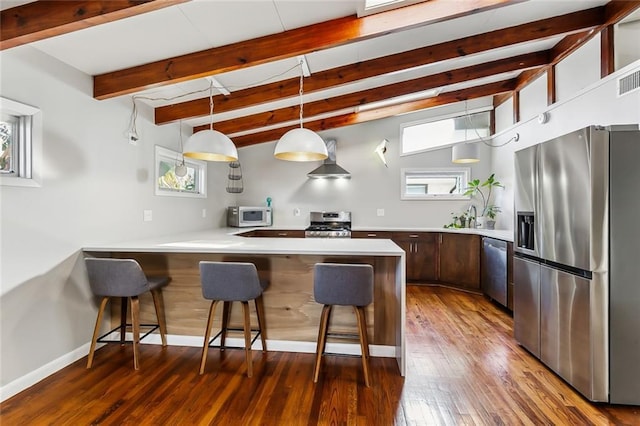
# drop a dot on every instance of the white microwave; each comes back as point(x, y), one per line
point(242, 216)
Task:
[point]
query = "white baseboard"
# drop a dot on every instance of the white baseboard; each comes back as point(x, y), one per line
point(30, 379)
point(35, 376)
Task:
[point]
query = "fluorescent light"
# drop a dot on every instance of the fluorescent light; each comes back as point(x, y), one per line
point(431, 93)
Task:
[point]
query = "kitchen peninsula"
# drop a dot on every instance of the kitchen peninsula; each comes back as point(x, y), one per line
point(292, 315)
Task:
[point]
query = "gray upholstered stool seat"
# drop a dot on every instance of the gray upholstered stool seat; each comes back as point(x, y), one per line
point(229, 282)
point(125, 279)
point(346, 285)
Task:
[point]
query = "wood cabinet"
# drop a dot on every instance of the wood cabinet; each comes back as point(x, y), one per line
point(274, 233)
point(386, 235)
point(459, 256)
point(421, 250)
point(510, 275)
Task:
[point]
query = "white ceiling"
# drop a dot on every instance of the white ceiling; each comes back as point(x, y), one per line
point(203, 24)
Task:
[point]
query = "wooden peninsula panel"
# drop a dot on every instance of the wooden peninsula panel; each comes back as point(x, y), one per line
point(290, 309)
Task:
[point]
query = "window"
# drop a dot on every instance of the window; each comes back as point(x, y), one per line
point(17, 123)
point(192, 184)
point(425, 136)
point(434, 184)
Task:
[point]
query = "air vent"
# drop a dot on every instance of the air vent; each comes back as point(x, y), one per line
point(629, 83)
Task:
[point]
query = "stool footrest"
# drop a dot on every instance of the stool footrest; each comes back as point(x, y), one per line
point(344, 335)
point(101, 339)
point(258, 332)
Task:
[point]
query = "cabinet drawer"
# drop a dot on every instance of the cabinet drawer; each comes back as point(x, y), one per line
point(371, 234)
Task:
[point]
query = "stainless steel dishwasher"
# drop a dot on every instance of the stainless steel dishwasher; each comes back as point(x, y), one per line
point(494, 269)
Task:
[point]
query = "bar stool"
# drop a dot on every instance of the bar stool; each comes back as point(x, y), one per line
point(232, 282)
point(345, 285)
point(125, 279)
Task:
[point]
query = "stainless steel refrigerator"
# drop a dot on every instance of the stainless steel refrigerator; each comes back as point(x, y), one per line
point(577, 259)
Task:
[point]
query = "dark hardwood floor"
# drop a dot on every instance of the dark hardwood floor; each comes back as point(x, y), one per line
point(464, 367)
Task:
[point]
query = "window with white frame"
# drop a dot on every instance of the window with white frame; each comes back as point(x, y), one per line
point(434, 184)
point(16, 136)
point(187, 181)
point(433, 134)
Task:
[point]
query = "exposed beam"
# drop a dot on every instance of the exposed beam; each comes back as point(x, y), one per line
point(43, 19)
point(516, 106)
point(545, 28)
point(607, 58)
point(377, 94)
point(501, 98)
point(551, 85)
point(379, 113)
point(613, 12)
point(287, 44)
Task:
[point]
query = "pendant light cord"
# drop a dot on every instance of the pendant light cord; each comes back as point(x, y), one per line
point(211, 106)
point(301, 91)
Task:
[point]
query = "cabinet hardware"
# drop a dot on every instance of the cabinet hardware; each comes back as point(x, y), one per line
point(413, 235)
point(282, 234)
point(371, 235)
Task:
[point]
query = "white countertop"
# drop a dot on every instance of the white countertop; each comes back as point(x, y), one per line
point(224, 241)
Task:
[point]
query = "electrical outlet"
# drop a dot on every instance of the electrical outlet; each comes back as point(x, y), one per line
point(147, 215)
point(380, 212)
point(133, 138)
point(204, 213)
point(296, 212)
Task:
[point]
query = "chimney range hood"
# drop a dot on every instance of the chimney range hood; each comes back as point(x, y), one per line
point(329, 169)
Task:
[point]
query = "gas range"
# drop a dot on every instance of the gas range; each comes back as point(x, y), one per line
point(329, 225)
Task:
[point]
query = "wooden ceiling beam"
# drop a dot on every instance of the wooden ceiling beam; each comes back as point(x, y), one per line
point(352, 100)
point(541, 29)
point(379, 113)
point(43, 19)
point(613, 12)
point(283, 45)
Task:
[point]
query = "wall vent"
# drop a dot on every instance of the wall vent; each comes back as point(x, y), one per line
point(629, 83)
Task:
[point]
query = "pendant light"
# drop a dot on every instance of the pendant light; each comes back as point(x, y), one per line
point(465, 153)
point(210, 145)
point(301, 144)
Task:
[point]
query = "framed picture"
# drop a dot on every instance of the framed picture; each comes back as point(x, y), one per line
point(187, 181)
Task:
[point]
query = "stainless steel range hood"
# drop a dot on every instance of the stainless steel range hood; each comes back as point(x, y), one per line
point(329, 169)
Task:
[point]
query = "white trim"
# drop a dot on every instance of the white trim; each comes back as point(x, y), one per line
point(30, 379)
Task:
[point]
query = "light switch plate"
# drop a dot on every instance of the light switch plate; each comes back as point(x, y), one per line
point(147, 215)
point(380, 212)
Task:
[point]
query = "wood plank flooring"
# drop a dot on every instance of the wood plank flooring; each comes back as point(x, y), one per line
point(464, 368)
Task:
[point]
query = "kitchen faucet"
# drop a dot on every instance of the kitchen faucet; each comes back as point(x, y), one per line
point(474, 217)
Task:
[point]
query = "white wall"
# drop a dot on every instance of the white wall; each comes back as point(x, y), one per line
point(371, 187)
point(94, 189)
point(596, 104)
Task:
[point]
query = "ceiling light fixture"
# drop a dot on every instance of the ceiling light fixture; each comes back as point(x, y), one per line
point(464, 153)
point(301, 144)
point(210, 145)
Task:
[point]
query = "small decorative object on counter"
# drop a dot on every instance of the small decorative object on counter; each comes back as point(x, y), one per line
point(269, 201)
point(234, 184)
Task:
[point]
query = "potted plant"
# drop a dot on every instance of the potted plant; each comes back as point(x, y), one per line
point(484, 189)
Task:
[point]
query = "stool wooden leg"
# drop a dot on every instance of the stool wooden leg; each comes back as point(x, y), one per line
point(322, 339)
point(207, 333)
point(247, 339)
point(158, 302)
point(226, 313)
point(135, 321)
point(364, 342)
point(260, 314)
point(96, 330)
point(123, 319)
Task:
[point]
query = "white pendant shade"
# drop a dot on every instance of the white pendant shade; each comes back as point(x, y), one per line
point(301, 144)
point(465, 153)
point(210, 145)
